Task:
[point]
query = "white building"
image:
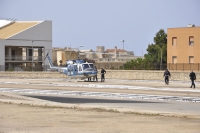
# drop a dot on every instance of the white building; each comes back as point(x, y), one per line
point(19, 36)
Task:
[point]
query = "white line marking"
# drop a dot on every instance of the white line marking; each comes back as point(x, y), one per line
point(102, 94)
point(109, 86)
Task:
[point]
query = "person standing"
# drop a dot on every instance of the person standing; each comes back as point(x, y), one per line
point(192, 78)
point(95, 77)
point(166, 75)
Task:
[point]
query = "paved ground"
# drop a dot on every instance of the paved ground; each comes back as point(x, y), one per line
point(20, 113)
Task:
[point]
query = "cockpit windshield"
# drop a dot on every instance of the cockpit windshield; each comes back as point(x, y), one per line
point(85, 66)
point(91, 65)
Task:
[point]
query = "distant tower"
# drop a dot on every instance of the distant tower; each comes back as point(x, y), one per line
point(100, 49)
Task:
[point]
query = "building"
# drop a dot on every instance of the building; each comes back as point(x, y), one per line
point(115, 55)
point(110, 58)
point(19, 40)
point(183, 46)
point(62, 55)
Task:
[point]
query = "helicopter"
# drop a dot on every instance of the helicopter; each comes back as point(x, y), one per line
point(74, 69)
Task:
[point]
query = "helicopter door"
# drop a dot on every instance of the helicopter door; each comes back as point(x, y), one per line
point(75, 69)
point(70, 70)
point(80, 69)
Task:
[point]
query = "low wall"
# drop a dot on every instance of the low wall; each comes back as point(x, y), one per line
point(114, 74)
point(148, 75)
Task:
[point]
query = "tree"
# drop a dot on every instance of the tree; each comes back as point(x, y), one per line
point(154, 50)
point(160, 38)
point(152, 59)
point(152, 55)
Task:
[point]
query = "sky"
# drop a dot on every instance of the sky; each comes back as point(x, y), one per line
point(92, 23)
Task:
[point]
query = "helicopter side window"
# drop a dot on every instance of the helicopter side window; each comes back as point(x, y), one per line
point(85, 66)
point(92, 65)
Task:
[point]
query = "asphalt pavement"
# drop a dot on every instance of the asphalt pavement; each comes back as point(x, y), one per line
point(145, 96)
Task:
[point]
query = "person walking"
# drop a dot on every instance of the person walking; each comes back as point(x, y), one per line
point(166, 75)
point(102, 75)
point(192, 78)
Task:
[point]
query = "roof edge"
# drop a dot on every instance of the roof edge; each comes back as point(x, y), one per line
point(39, 22)
point(184, 27)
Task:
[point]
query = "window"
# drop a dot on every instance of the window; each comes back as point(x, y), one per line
point(191, 59)
point(85, 66)
point(191, 40)
point(174, 40)
point(91, 65)
point(174, 59)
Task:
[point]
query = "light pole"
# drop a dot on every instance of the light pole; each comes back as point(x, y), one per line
point(160, 57)
point(79, 50)
point(123, 54)
point(123, 43)
point(32, 54)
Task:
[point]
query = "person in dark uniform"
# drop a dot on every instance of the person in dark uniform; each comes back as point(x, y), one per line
point(102, 74)
point(96, 75)
point(89, 79)
point(192, 78)
point(166, 75)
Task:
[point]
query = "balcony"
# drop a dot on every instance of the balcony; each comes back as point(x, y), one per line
point(24, 58)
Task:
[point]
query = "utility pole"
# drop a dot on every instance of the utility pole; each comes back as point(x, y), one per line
point(32, 54)
point(160, 58)
point(123, 43)
point(79, 51)
point(123, 53)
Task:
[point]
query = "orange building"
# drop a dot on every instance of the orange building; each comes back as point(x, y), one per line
point(183, 48)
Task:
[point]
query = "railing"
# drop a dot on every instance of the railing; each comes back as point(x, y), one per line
point(23, 68)
point(24, 58)
point(184, 66)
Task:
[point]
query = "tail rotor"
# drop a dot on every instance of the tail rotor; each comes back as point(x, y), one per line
point(49, 59)
point(46, 55)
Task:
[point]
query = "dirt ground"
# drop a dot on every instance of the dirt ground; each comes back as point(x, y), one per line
point(27, 119)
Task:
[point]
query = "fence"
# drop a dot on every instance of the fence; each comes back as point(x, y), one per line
point(24, 58)
point(150, 66)
point(184, 66)
point(109, 65)
point(114, 66)
point(126, 66)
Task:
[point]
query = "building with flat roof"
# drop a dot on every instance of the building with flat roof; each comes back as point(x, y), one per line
point(183, 47)
point(19, 40)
